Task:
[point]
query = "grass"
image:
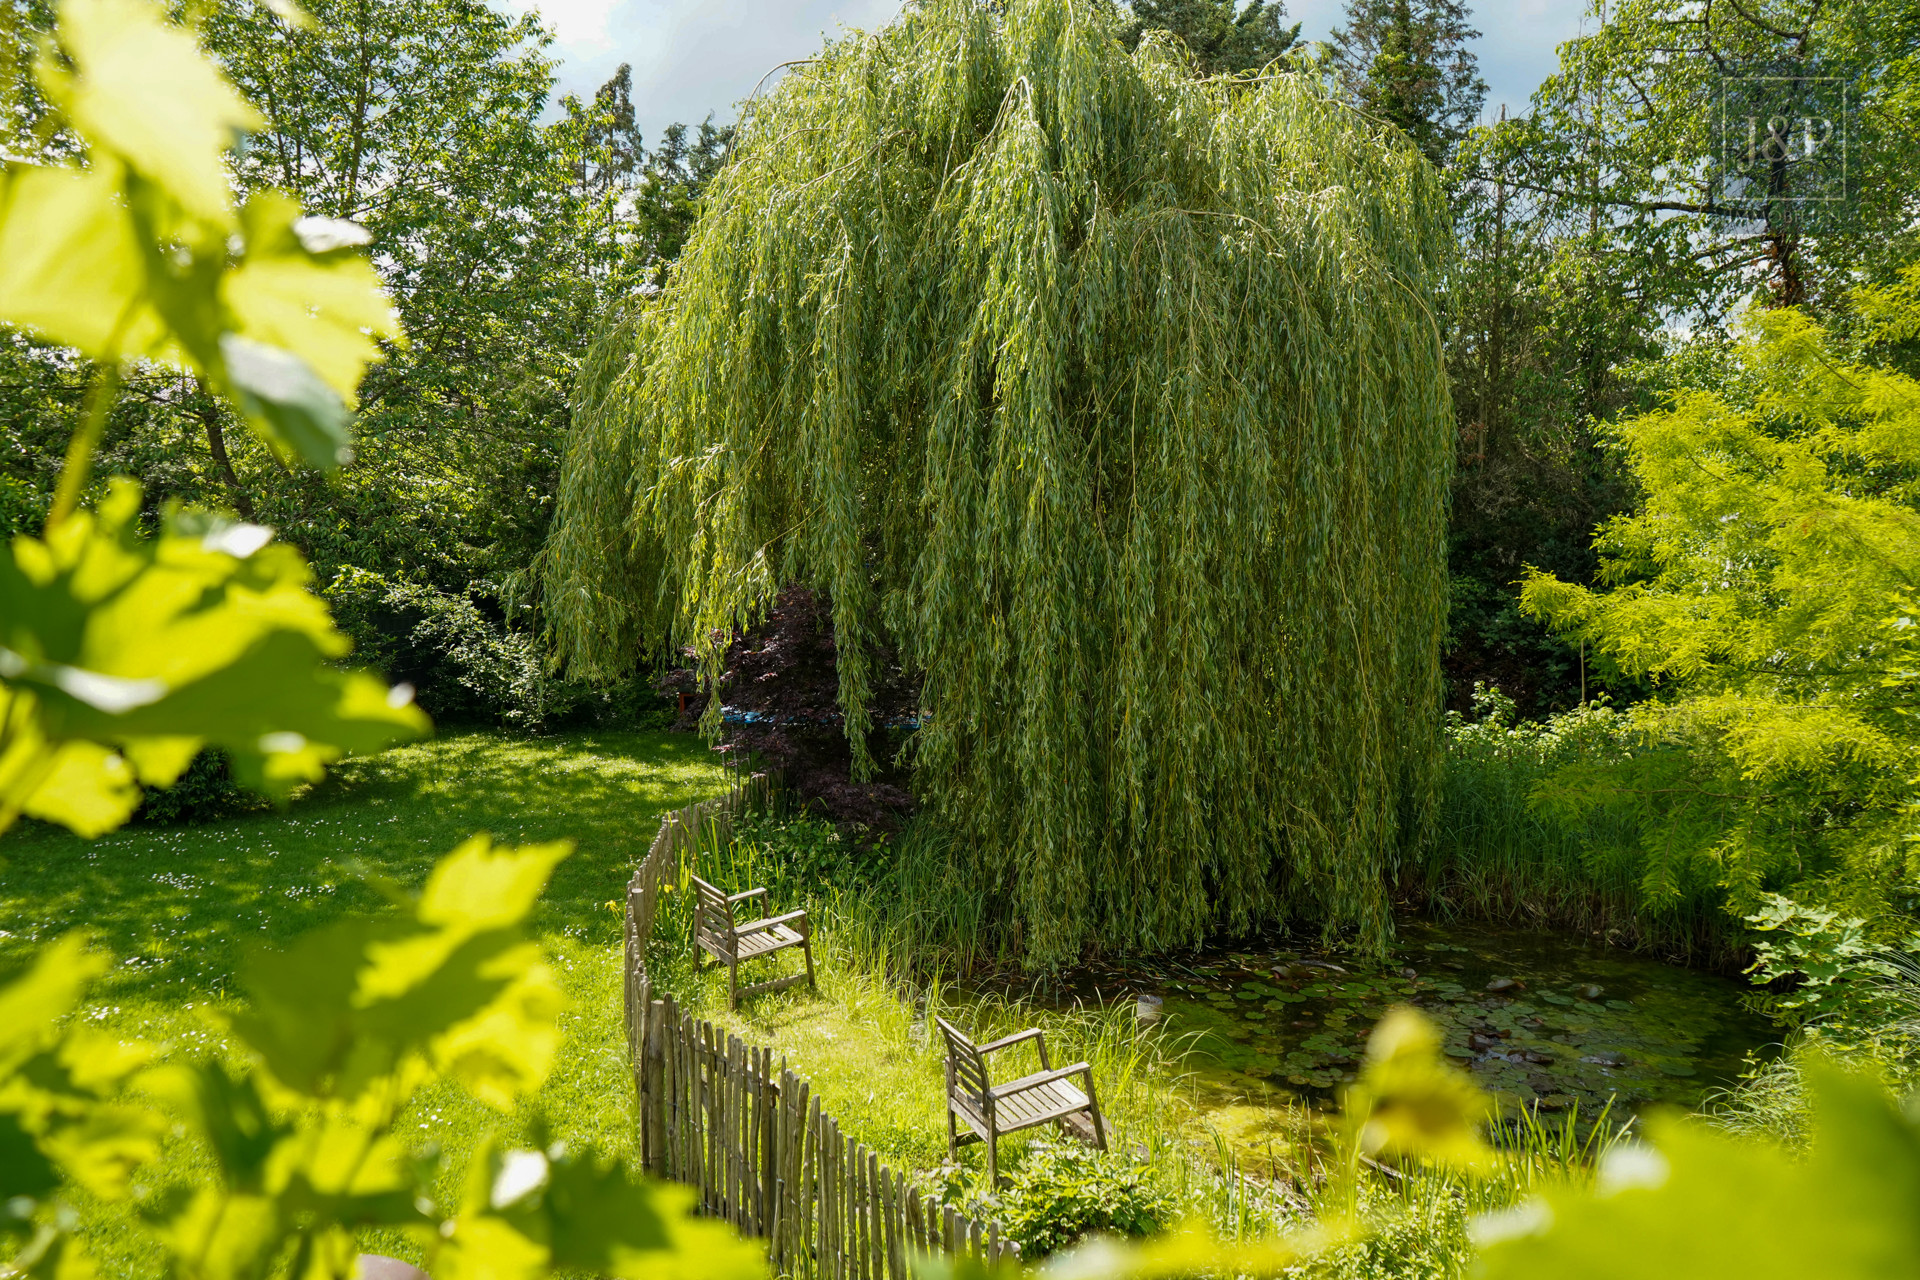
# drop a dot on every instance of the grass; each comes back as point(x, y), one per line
point(180, 907)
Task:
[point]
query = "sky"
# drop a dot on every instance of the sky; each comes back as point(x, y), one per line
point(691, 57)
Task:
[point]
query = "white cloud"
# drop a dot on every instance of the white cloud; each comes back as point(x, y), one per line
point(579, 26)
point(691, 57)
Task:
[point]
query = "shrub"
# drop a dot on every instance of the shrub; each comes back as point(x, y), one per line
point(467, 666)
point(1501, 851)
point(463, 665)
point(1836, 969)
point(204, 792)
point(1063, 1192)
point(807, 854)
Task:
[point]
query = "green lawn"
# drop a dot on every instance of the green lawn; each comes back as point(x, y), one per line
point(181, 907)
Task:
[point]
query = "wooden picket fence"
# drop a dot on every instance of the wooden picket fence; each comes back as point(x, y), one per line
point(724, 1117)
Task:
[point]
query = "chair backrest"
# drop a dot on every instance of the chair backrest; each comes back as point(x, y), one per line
point(969, 1064)
point(712, 913)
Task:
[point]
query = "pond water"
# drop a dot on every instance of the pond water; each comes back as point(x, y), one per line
point(1546, 1020)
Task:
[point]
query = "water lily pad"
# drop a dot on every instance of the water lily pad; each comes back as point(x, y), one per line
point(1303, 1025)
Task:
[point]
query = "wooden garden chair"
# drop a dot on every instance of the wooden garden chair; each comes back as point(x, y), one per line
point(989, 1110)
point(719, 935)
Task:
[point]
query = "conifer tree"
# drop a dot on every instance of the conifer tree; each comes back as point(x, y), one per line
point(1407, 62)
point(1222, 37)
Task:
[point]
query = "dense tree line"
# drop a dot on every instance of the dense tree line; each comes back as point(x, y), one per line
point(1604, 230)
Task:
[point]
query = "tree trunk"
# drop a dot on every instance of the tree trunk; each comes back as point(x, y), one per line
point(217, 446)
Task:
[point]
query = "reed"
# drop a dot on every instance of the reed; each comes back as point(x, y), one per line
point(1503, 851)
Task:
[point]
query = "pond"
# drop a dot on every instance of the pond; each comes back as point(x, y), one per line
point(1542, 1020)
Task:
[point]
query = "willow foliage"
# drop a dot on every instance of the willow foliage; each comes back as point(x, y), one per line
point(1111, 397)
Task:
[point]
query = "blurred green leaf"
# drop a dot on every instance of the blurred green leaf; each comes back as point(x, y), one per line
point(324, 303)
point(1410, 1102)
point(74, 267)
point(141, 88)
point(531, 1211)
point(23, 1170)
point(213, 1235)
point(456, 985)
point(228, 1113)
point(32, 1005)
point(59, 1087)
point(278, 388)
point(1704, 1205)
point(122, 656)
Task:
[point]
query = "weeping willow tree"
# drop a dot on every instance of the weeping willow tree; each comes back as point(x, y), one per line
point(1111, 398)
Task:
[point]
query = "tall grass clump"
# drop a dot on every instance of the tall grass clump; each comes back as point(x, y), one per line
point(1504, 850)
point(1109, 398)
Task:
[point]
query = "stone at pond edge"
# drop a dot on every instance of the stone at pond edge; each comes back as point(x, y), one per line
point(1502, 984)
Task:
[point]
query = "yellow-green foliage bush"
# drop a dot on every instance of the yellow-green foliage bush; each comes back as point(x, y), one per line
point(1765, 584)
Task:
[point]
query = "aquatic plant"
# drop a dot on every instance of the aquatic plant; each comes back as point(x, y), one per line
point(1108, 396)
point(1499, 853)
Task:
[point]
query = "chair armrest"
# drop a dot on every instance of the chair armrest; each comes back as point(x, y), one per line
point(1004, 1042)
point(761, 926)
point(742, 897)
point(1043, 1077)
